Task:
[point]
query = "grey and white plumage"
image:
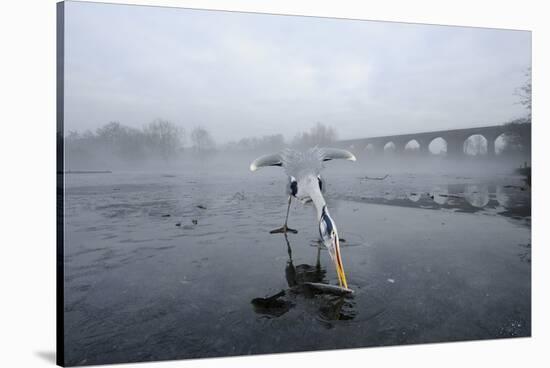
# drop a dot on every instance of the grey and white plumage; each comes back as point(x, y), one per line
point(303, 169)
point(297, 163)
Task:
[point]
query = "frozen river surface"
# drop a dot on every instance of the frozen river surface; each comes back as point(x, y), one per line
point(169, 265)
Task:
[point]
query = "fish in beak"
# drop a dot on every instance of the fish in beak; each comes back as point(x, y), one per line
point(329, 236)
point(334, 251)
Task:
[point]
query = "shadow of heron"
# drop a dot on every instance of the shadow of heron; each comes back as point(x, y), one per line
point(299, 279)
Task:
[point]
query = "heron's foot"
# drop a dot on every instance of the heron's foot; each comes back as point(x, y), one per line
point(283, 230)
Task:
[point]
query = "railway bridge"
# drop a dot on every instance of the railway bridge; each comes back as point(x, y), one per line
point(455, 140)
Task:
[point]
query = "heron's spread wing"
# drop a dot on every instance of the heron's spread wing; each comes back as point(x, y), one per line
point(336, 153)
point(267, 160)
point(297, 163)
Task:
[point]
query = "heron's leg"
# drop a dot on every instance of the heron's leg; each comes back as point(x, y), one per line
point(318, 261)
point(284, 229)
point(290, 270)
point(288, 248)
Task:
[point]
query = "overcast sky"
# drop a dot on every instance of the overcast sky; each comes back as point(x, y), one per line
point(243, 75)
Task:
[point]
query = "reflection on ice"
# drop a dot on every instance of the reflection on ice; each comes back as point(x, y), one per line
point(389, 196)
point(440, 195)
point(502, 198)
point(507, 195)
point(477, 195)
point(274, 305)
point(415, 197)
point(306, 281)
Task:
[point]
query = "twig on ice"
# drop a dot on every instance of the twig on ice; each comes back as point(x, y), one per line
point(373, 178)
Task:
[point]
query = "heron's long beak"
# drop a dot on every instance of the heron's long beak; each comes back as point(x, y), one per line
point(338, 262)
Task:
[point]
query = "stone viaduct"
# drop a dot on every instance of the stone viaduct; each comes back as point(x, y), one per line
point(454, 138)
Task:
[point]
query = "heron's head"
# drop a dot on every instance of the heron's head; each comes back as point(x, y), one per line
point(329, 237)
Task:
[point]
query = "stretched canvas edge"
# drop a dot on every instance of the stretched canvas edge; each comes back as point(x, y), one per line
point(60, 185)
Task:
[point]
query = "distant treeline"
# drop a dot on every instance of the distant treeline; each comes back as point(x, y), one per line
point(319, 134)
point(164, 140)
point(158, 140)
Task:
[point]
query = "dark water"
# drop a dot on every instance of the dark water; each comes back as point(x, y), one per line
point(169, 265)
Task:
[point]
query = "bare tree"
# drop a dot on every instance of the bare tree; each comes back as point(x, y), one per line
point(201, 140)
point(266, 143)
point(164, 138)
point(318, 135)
point(517, 137)
point(524, 93)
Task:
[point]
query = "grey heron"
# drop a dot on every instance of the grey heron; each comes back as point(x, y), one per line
point(305, 184)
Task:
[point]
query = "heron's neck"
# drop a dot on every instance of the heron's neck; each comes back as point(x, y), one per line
point(318, 201)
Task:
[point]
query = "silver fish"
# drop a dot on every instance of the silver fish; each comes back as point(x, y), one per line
point(331, 289)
